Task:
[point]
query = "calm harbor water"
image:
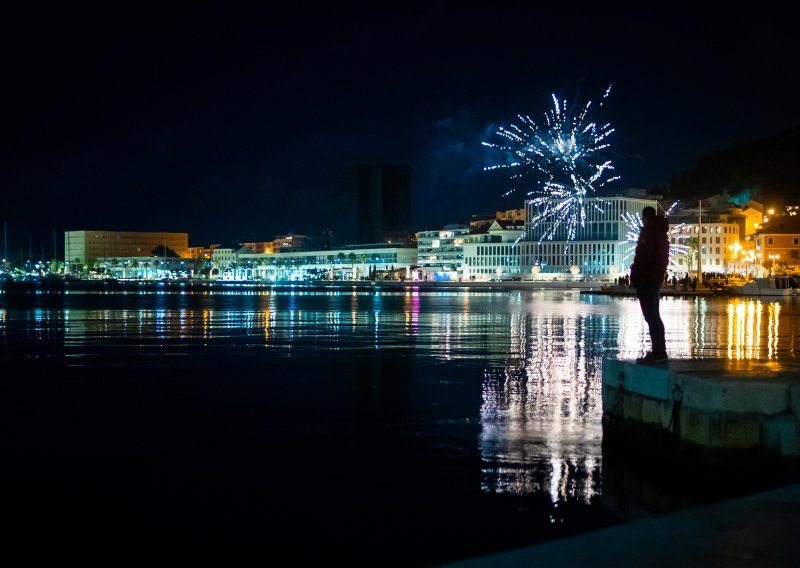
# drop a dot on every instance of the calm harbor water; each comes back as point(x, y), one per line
point(419, 426)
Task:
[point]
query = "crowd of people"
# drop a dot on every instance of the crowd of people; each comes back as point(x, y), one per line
point(688, 282)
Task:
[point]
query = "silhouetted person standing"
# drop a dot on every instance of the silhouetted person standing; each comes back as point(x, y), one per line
point(647, 274)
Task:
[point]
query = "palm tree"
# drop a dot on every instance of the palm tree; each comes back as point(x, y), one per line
point(691, 254)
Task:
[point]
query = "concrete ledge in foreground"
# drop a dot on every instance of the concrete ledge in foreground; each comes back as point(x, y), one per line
point(722, 405)
point(757, 530)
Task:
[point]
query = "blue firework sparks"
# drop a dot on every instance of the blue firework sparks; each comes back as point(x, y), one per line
point(558, 163)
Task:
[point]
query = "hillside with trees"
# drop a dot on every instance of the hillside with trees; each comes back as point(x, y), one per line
point(767, 168)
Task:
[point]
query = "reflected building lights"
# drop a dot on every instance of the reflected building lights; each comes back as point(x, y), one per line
point(206, 323)
point(506, 329)
point(699, 328)
point(541, 419)
point(541, 354)
point(774, 312)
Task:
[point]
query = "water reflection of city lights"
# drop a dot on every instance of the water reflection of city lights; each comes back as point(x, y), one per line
point(774, 311)
point(540, 352)
point(746, 329)
point(541, 420)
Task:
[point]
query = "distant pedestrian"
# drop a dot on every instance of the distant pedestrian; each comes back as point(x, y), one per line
point(647, 273)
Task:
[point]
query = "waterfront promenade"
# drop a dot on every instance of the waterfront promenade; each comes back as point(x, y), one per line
point(718, 422)
point(583, 285)
point(756, 530)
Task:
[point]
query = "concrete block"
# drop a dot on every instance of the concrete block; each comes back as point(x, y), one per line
point(695, 427)
point(735, 431)
point(711, 395)
point(656, 412)
point(611, 370)
point(794, 399)
point(631, 407)
point(697, 393)
point(759, 397)
point(649, 381)
point(783, 436)
point(611, 396)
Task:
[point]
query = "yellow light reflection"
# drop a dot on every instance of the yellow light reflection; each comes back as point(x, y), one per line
point(774, 311)
point(744, 325)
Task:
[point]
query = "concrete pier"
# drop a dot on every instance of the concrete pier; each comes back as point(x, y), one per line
point(717, 410)
point(713, 426)
point(756, 530)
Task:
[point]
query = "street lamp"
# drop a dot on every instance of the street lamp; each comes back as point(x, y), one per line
point(735, 249)
point(773, 259)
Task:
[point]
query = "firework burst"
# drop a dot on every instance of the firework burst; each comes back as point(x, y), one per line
point(633, 227)
point(559, 163)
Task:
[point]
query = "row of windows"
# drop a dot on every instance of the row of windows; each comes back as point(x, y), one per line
point(136, 240)
point(600, 209)
point(492, 261)
point(283, 258)
point(716, 262)
point(486, 250)
point(571, 259)
point(795, 241)
point(703, 240)
point(492, 271)
point(579, 248)
point(591, 231)
point(726, 229)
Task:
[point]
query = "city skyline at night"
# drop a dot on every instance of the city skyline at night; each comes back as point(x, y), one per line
point(229, 122)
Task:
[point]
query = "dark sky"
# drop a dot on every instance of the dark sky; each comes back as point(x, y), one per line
point(228, 120)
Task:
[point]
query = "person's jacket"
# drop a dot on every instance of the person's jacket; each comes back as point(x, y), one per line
point(652, 252)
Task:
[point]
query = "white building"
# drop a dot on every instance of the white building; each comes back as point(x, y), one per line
point(719, 246)
point(599, 247)
point(352, 262)
point(440, 253)
point(224, 258)
point(491, 251)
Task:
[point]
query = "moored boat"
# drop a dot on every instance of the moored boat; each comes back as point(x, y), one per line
point(781, 286)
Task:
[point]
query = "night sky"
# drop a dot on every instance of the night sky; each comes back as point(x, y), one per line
point(227, 121)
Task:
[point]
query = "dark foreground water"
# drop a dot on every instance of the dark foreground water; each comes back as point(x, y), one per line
point(377, 428)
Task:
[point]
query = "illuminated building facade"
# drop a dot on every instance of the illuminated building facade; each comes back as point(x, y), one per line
point(201, 253)
point(440, 253)
point(351, 262)
point(491, 251)
point(517, 215)
point(372, 204)
point(778, 243)
point(287, 242)
point(87, 246)
point(598, 247)
point(720, 248)
point(261, 247)
point(227, 257)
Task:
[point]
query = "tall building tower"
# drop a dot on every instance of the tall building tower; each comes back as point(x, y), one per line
point(372, 204)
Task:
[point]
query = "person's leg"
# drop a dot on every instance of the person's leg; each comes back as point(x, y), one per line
point(649, 296)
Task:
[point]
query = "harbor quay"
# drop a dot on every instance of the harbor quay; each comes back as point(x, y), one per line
point(589, 286)
point(716, 410)
point(753, 530)
point(715, 422)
